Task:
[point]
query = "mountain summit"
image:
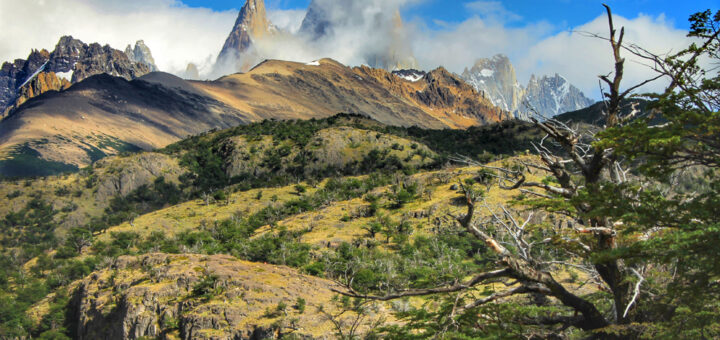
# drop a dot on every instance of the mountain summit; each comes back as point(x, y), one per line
point(495, 79)
point(252, 24)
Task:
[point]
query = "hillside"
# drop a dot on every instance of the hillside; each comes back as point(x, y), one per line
point(104, 115)
point(144, 232)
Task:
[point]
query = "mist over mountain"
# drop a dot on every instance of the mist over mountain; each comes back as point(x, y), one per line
point(358, 33)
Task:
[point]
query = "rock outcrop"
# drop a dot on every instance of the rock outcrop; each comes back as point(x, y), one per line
point(141, 54)
point(158, 296)
point(252, 24)
point(43, 82)
point(495, 79)
point(554, 95)
point(447, 91)
point(71, 60)
point(119, 176)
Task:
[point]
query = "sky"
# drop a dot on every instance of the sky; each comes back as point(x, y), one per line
point(540, 37)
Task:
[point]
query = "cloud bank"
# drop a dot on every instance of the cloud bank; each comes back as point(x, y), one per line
point(178, 35)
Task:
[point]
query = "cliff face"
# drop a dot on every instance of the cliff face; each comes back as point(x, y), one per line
point(555, 95)
point(199, 297)
point(141, 54)
point(495, 79)
point(43, 82)
point(252, 24)
point(70, 62)
point(446, 91)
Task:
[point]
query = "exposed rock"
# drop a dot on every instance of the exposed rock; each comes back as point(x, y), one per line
point(67, 53)
point(72, 60)
point(152, 296)
point(495, 80)
point(252, 24)
point(14, 75)
point(41, 83)
point(141, 54)
point(121, 175)
point(446, 90)
point(410, 74)
point(104, 59)
point(555, 95)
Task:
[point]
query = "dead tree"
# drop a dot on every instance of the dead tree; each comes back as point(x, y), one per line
point(580, 168)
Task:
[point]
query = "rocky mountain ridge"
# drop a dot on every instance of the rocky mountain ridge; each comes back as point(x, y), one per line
point(70, 62)
point(496, 80)
point(104, 115)
point(251, 24)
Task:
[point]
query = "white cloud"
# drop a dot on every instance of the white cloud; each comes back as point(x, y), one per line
point(288, 20)
point(582, 59)
point(492, 9)
point(534, 50)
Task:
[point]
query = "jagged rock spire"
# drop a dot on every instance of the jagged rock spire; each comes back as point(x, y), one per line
point(141, 54)
point(251, 24)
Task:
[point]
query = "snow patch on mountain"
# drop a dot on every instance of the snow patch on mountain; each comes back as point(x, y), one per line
point(410, 75)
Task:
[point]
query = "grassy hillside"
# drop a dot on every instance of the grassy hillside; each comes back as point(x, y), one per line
point(317, 195)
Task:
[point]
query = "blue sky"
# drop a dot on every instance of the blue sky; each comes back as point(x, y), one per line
point(563, 14)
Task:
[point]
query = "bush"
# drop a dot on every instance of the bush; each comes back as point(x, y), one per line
point(207, 288)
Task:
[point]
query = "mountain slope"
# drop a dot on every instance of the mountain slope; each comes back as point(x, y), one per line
point(104, 115)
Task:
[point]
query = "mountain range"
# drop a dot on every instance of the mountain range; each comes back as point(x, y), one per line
point(496, 80)
point(104, 115)
point(70, 62)
point(65, 109)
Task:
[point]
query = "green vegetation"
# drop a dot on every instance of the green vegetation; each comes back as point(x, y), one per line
point(614, 236)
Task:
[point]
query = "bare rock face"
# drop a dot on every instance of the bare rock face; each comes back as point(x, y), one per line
point(447, 91)
point(71, 60)
point(555, 95)
point(156, 296)
point(43, 82)
point(14, 75)
point(141, 54)
point(121, 175)
point(495, 80)
point(252, 24)
point(104, 59)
